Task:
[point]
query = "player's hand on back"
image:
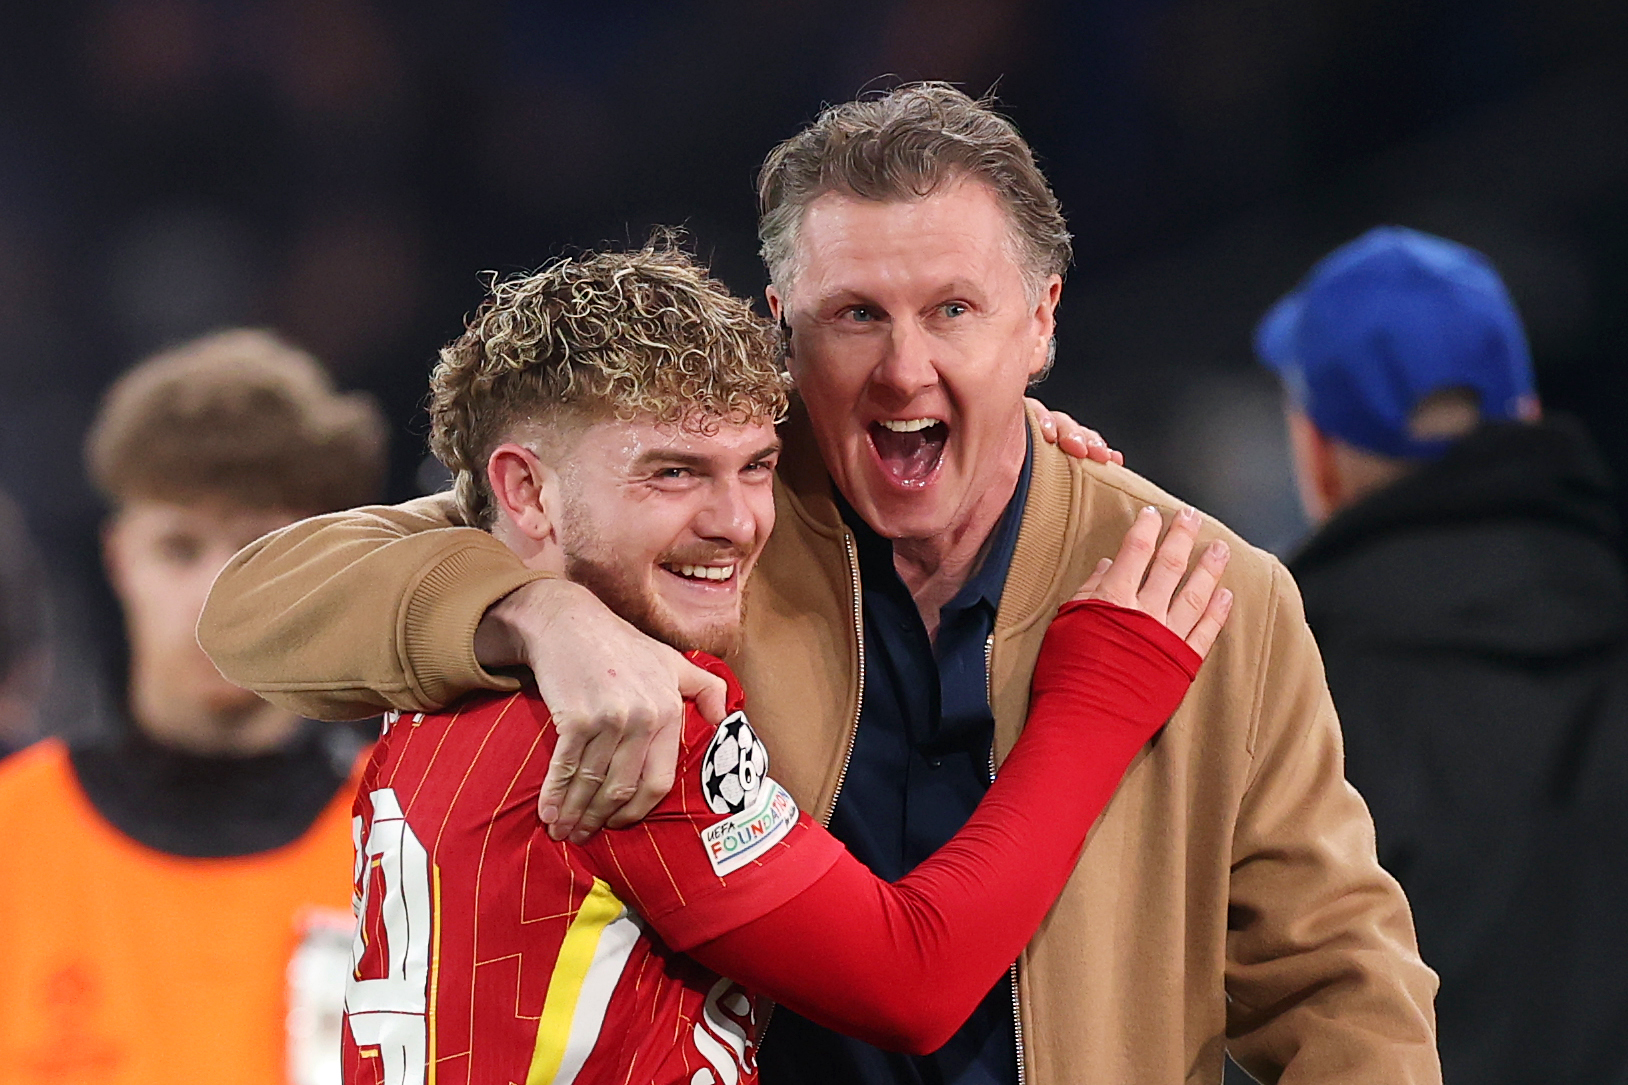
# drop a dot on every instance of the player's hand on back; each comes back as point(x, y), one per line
point(1153, 577)
point(616, 697)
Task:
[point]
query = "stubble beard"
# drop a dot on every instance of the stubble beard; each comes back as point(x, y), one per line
point(618, 589)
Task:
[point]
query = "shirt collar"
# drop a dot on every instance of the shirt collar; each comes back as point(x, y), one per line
point(989, 580)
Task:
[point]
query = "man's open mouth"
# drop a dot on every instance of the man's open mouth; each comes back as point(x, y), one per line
point(910, 449)
point(707, 574)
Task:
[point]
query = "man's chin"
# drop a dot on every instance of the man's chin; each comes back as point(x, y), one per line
point(680, 624)
point(711, 633)
point(897, 514)
point(720, 640)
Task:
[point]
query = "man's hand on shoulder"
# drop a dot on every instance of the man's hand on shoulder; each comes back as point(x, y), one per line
point(1082, 442)
point(616, 697)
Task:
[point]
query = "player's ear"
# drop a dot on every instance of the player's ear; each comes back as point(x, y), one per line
point(1045, 315)
point(115, 551)
point(777, 310)
point(526, 491)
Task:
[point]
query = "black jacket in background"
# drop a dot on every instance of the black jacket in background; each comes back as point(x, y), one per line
point(1472, 618)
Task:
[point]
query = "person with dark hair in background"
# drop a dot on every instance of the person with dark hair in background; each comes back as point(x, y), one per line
point(1464, 586)
point(174, 896)
point(24, 656)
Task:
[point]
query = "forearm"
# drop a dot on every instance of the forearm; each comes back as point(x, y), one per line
point(341, 616)
point(903, 965)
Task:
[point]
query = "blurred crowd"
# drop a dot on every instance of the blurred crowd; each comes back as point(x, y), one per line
point(342, 171)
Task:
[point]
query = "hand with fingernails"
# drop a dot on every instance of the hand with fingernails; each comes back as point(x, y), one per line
point(1147, 575)
point(1082, 442)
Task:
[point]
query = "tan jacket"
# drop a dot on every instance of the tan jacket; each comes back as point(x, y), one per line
point(1228, 899)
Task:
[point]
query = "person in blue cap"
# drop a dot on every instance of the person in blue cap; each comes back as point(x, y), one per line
point(1464, 586)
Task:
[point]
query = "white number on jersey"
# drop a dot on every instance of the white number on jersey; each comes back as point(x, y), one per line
point(389, 1012)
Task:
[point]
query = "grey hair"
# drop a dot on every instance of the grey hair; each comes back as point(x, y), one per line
point(905, 145)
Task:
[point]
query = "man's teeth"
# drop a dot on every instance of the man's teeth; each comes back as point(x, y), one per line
point(704, 572)
point(909, 425)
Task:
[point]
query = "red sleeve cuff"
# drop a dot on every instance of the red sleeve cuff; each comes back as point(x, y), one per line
point(748, 894)
point(1101, 616)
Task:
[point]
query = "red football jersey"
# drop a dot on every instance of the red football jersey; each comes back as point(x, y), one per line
point(486, 952)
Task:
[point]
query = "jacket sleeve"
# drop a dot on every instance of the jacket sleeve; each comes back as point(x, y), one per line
point(1324, 979)
point(342, 616)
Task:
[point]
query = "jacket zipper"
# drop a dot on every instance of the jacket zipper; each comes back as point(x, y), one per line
point(848, 751)
point(1012, 973)
point(859, 638)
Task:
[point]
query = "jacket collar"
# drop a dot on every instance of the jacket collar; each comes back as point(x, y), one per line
point(804, 482)
point(1048, 524)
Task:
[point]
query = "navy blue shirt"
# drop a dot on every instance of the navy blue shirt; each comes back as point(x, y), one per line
point(920, 764)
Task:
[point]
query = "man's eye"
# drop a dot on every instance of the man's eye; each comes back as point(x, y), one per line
point(673, 472)
point(861, 315)
point(179, 550)
point(954, 308)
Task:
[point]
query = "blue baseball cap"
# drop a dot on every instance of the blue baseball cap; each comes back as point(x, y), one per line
point(1384, 321)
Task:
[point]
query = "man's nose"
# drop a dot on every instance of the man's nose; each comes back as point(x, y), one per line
point(727, 515)
point(908, 369)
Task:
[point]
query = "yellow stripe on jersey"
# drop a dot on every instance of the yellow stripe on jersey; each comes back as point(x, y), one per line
point(435, 964)
point(595, 950)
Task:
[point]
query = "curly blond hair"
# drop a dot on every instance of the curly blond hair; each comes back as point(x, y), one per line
point(237, 416)
point(645, 333)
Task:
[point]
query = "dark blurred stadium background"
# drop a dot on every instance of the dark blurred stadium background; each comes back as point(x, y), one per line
point(342, 171)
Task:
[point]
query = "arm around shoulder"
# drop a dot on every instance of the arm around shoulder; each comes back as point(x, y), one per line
point(342, 616)
point(1323, 972)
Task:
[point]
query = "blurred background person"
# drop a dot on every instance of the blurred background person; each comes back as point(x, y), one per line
point(1464, 584)
point(24, 658)
point(174, 893)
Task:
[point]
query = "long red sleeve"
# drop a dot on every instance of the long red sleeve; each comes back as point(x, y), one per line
point(903, 965)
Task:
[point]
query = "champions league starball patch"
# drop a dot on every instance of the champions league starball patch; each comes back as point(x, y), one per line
point(735, 780)
point(735, 765)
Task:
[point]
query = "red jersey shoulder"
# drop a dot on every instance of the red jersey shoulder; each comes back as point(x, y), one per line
point(725, 846)
point(482, 707)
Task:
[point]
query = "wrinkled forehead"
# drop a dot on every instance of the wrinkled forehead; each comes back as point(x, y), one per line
point(959, 231)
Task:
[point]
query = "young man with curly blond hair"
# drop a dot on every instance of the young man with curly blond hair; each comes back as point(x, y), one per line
point(172, 894)
point(1229, 901)
point(610, 419)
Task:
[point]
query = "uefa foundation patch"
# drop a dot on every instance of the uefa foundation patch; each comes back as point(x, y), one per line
point(735, 780)
point(743, 837)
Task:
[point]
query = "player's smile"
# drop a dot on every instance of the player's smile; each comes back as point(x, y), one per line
point(665, 523)
point(704, 575)
point(703, 593)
